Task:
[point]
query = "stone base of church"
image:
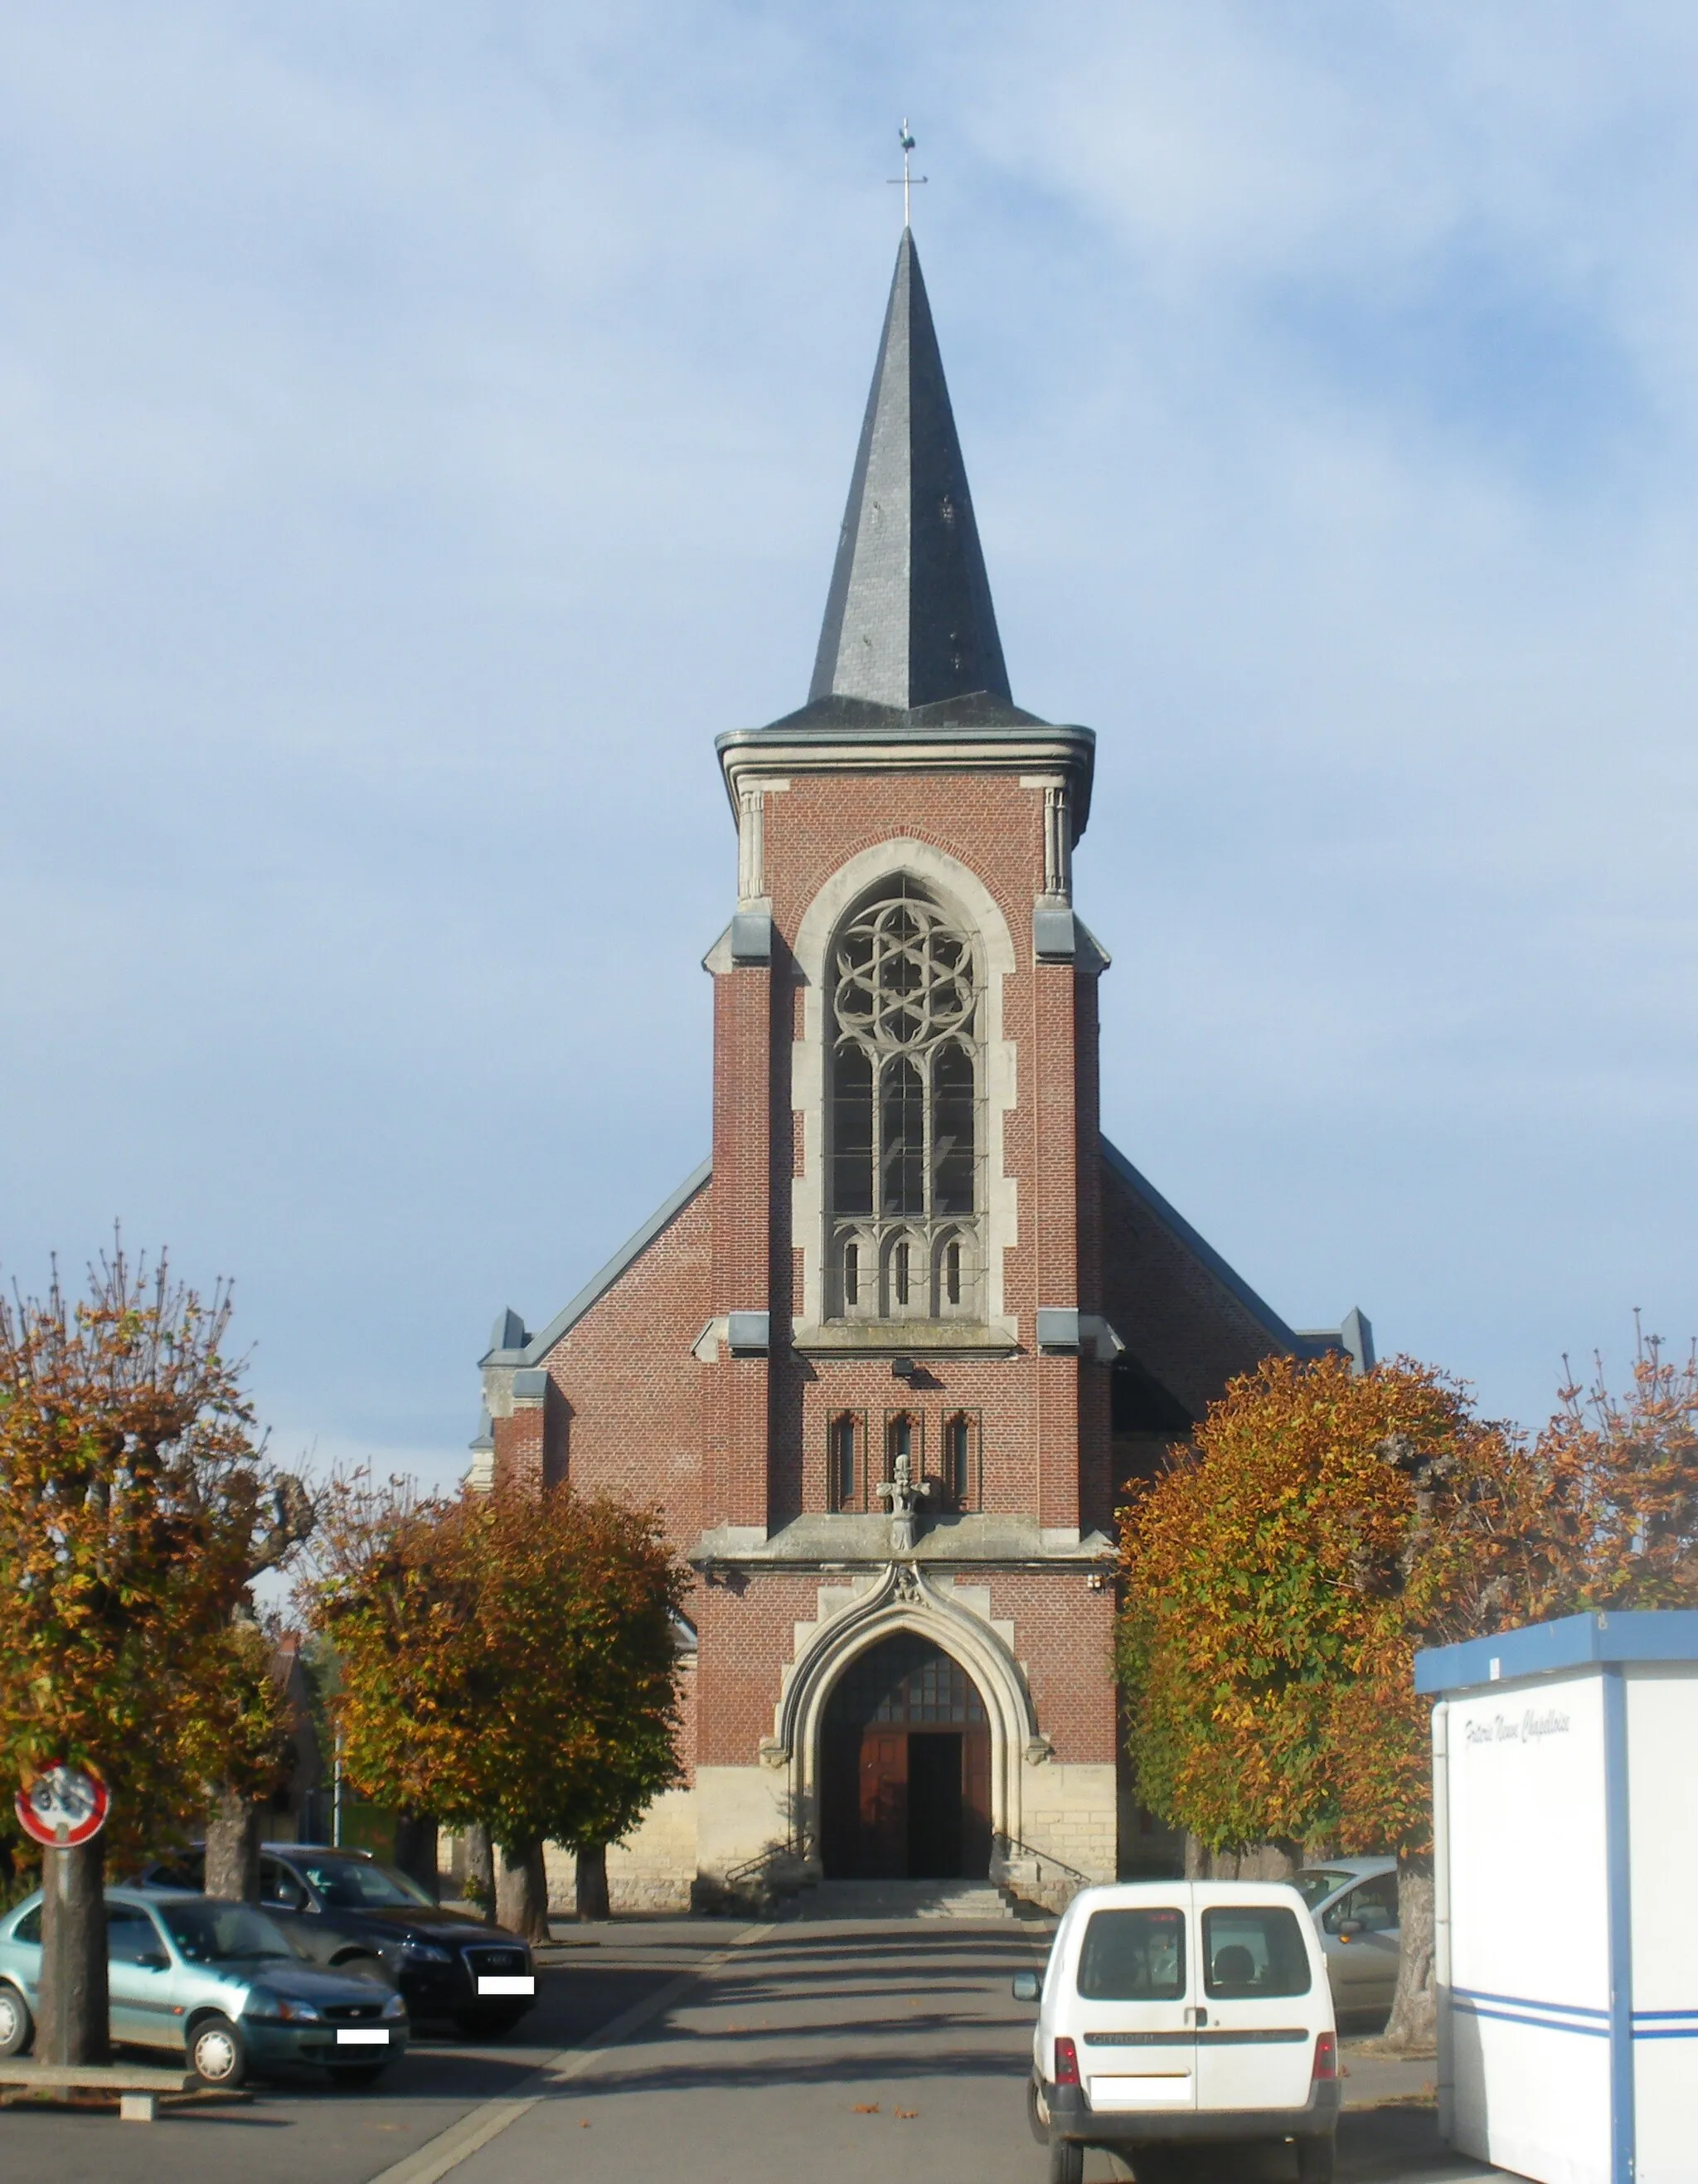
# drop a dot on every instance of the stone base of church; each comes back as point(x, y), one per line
point(730, 1838)
point(1068, 1830)
point(652, 1870)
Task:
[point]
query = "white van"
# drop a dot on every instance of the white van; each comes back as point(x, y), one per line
point(1174, 2013)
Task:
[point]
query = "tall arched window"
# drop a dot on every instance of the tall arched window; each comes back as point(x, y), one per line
point(905, 1198)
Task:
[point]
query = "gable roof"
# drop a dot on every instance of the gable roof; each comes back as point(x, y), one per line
point(535, 1347)
point(1284, 1337)
point(532, 1349)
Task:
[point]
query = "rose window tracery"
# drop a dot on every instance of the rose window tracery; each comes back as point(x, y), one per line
point(904, 1195)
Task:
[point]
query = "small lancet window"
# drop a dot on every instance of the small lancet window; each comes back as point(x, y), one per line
point(958, 1461)
point(952, 1271)
point(851, 1274)
point(841, 1483)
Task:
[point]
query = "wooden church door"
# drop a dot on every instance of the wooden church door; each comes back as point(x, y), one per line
point(905, 1768)
point(883, 1851)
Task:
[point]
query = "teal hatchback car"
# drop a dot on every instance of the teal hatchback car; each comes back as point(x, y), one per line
point(217, 1984)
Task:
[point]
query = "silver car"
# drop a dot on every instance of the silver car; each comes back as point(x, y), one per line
point(1353, 1901)
point(213, 1984)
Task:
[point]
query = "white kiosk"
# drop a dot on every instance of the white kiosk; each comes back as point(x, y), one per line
point(1565, 1776)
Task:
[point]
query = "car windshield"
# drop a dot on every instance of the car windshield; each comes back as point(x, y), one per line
point(355, 1884)
point(1319, 1881)
point(213, 1933)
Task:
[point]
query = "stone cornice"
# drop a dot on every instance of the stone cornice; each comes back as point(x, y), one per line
point(749, 755)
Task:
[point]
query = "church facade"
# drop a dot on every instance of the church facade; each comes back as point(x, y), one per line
point(888, 1358)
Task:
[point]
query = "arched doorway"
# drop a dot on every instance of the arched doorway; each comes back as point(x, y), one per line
point(905, 1768)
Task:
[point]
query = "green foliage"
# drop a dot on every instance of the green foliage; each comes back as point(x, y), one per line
point(1279, 1576)
point(508, 1659)
point(239, 1735)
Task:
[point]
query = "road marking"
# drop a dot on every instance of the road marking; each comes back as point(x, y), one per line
point(438, 2156)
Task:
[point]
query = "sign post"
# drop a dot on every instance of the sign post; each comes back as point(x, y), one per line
point(62, 1808)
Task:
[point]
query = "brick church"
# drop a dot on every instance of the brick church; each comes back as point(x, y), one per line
point(888, 1357)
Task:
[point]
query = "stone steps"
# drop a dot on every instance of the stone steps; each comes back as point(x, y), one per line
point(900, 1899)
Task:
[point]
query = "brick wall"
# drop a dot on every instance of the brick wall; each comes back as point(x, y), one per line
point(630, 1389)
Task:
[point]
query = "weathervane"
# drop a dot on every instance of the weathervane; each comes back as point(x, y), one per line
point(907, 179)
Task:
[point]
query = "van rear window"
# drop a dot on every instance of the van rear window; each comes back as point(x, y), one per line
point(1257, 1950)
point(1134, 1956)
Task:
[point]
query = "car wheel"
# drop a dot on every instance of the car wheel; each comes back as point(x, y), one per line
point(217, 2054)
point(1066, 2162)
point(1315, 2160)
point(15, 2028)
point(357, 2074)
point(1037, 2115)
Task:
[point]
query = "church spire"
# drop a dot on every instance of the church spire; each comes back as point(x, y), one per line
point(908, 620)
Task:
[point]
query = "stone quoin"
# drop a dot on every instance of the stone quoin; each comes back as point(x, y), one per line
point(888, 1358)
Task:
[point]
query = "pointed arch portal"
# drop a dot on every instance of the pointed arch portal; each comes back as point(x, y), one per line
point(904, 1767)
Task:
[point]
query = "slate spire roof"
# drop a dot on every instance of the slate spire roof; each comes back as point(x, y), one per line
point(908, 620)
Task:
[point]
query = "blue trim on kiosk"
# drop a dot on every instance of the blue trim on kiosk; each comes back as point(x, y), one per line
point(1618, 1868)
point(1545, 1649)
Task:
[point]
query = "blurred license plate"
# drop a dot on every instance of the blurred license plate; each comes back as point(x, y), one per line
point(362, 2036)
point(506, 1983)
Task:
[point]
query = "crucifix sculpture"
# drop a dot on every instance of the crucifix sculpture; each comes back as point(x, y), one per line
point(905, 1494)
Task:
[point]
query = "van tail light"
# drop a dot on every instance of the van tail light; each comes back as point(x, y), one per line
point(1066, 2062)
point(1326, 2058)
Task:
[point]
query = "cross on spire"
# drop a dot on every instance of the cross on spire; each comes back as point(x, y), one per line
point(907, 179)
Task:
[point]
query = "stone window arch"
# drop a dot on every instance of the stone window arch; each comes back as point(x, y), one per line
point(905, 1129)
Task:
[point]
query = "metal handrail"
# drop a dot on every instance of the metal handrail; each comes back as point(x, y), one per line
point(1073, 1872)
point(798, 1850)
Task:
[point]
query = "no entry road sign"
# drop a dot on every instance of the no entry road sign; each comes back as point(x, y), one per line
point(64, 1807)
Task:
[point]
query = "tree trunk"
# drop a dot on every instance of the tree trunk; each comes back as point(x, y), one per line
point(415, 1850)
point(71, 2018)
point(1264, 1861)
point(234, 1824)
point(480, 1868)
point(591, 1890)
point(521, 1893)
point(1414, 2022)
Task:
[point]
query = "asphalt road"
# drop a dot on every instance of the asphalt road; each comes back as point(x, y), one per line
point(808, 2052)
point(309, 2134)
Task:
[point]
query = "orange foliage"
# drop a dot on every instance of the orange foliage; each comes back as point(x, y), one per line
point(506, 1659)
point(136, 1505)
point(1280, 1574)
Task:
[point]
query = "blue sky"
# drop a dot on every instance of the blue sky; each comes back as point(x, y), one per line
point(423, 428)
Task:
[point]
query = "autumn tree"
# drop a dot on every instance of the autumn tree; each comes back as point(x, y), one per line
point(507, 1660)
point(136, 1499)
point(239, 1747)
point(1279, 1575)
point(1624, 1470)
